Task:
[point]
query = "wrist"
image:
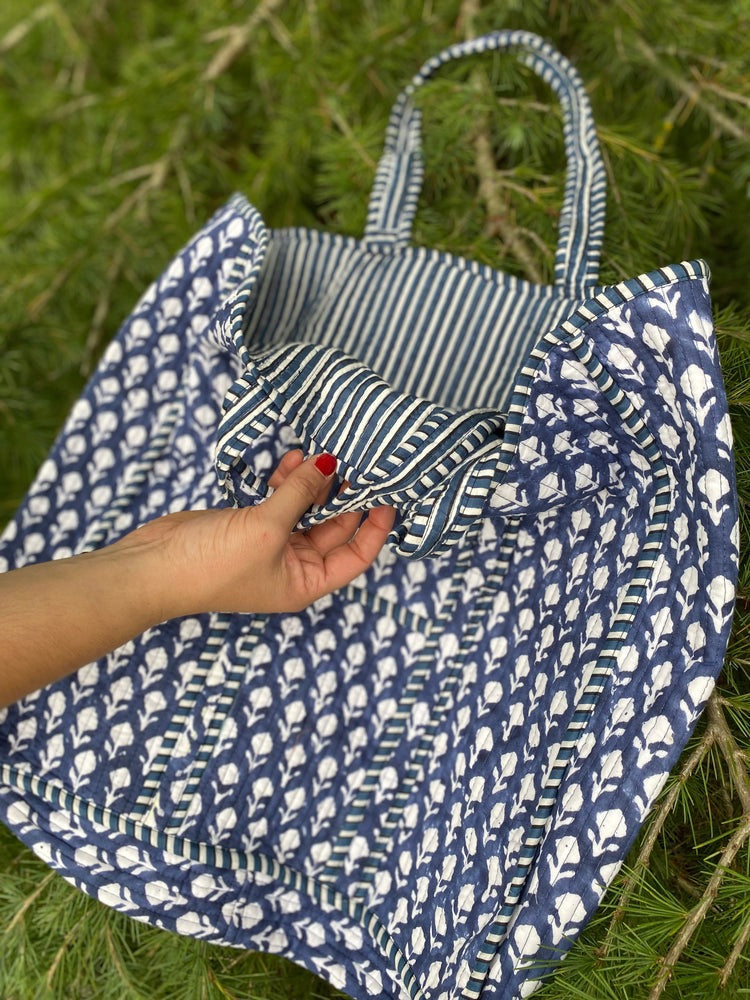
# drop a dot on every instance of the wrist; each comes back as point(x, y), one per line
point(169, 562)
point(142, 563)
point(58, 615)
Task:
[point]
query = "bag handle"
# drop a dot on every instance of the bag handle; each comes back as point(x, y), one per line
point(398, 180)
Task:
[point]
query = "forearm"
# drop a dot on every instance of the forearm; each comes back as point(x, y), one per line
point(56, 616)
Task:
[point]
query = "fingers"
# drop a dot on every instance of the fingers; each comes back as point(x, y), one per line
point(346, 561)
point(343, 523)
point(302, 486)
point(290, 460)
point(345, 546)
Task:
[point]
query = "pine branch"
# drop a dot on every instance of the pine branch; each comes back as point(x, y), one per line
point(238, 38)
point(313, 21)
point(62, 950)
point(693, 92)
point(720, 735)
point(717, 734)
point(101, 311)
point(738, 947)
point(19, 31)
point(659, 816)
point(155, 174)
point(734, 756)
point(498, 208)
point(121, 971)
point(186, 190)
point(38, 304)
point(69, 33)
point(728, 95)
point(29, 901)
point(54, 11)
point(467, 15)
point(81, 103)
point(696, 916)
point(345, 128)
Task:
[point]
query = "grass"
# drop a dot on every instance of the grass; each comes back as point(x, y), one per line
point(124, 126)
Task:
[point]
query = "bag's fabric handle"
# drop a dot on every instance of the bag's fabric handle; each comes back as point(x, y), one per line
point(398, 180)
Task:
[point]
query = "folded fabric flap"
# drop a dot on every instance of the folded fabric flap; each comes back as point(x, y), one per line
point(440, 468)
point(436, 466)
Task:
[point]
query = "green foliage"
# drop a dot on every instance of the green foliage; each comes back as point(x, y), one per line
point(60, 943)
point(123, 126)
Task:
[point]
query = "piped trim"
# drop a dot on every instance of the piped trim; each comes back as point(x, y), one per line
point(572, 331)
point(218, 857)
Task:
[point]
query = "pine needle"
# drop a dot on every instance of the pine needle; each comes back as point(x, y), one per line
point(126, 125)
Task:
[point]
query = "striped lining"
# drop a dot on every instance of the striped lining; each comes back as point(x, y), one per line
point(432, 325)
point(435, 466)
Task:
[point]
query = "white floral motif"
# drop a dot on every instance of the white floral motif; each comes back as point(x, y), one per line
point(358, 785)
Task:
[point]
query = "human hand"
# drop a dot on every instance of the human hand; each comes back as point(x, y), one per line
point(56, 616)
point(249, 559)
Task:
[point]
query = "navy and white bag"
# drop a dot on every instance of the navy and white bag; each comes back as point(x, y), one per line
point(421, 785)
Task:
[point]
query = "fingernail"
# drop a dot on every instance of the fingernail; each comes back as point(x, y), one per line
point(325, 464)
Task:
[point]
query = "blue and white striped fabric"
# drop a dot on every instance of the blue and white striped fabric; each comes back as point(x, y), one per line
point(420, 786)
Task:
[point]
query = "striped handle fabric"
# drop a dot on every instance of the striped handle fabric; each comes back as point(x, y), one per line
point(398, 179)
point(437, 467)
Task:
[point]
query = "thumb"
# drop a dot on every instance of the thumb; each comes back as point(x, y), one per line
point(301, 488)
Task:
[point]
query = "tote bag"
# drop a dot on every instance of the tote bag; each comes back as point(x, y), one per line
point(421, 785)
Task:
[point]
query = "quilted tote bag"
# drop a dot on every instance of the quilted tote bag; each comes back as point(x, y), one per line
point(420, 786)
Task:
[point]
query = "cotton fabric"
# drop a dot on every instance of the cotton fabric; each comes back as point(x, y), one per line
point(421, 785)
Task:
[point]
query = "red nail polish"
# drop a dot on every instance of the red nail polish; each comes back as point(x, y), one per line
point(326, 464)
